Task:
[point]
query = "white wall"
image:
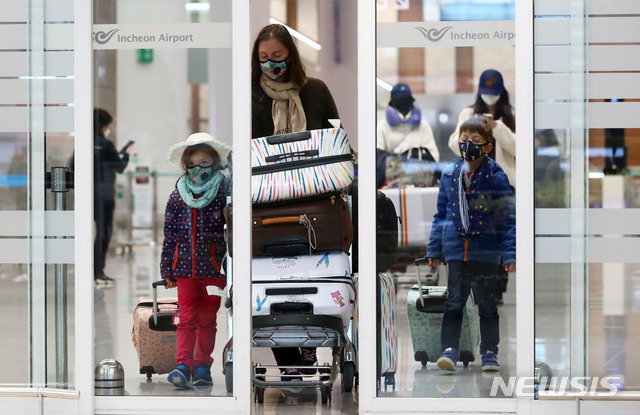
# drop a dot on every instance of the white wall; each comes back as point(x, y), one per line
point(152, 98)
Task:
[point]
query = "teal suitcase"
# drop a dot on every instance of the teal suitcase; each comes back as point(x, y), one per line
point(425, 323)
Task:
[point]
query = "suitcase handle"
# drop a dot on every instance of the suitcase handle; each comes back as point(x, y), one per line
point(435, 306)
point(302, 220)
point(292, 155)
point(288, 138)
point(417, 264)
point(155, 299)
point(281, 219)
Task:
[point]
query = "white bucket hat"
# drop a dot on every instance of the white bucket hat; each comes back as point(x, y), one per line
point(174, 156)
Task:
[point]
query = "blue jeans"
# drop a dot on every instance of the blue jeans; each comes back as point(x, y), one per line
point(461, 275)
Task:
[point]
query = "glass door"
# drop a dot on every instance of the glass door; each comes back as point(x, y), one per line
point(36, 214)
point(585, 200)
point(164, 94)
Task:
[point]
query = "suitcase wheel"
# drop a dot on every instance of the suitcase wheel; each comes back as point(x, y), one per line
point(421, 357)
point(466, 357)
point(390, 379)
point(147, 370)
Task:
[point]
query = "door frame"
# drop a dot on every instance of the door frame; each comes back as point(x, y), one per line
point(240, 402)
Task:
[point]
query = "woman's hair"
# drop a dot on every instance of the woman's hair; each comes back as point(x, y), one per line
point(502, 109)
point(296, 73)
point(479, 125)
point(101, 118)
point(188, 152)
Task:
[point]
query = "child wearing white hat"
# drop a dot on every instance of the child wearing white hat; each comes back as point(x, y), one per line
point(192, 253)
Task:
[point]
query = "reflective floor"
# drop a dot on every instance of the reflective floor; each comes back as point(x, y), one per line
point(134, 271)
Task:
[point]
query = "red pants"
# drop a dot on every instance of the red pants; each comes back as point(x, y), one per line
point(197, 320)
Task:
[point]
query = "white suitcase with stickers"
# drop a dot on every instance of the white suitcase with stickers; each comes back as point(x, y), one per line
point(303, 266)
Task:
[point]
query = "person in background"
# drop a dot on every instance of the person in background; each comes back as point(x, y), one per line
point(192, 253)
point(107, 162)
point(403, 130)
point(284, 100)
point(473, 229)
point(492, 101)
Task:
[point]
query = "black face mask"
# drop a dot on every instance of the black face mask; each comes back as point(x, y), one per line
point(404, 105)
point(471, 151)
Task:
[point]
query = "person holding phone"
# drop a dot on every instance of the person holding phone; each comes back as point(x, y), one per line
point(492, 101)
point(107, 162)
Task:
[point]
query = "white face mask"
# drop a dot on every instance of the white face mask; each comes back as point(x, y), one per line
point(490, 99)
point(107, 132)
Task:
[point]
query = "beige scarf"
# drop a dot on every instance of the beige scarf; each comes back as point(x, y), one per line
point(288, 113)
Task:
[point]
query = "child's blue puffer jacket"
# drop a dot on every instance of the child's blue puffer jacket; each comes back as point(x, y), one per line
point(491, 234)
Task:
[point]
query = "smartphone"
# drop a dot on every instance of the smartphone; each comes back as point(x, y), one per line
point(126, 147)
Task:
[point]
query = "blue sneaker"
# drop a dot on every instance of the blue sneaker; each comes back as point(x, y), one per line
point(448, 358)
point(180, 376)
point(490, 361)
point(202, 375)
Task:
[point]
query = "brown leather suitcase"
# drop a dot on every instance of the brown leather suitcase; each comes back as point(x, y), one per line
point(320, 223)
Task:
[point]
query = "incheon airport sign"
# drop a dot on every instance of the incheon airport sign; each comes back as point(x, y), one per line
point(162, 36)
point(451, 34)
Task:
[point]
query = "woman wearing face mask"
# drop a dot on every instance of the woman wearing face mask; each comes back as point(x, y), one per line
point(492, 100)
point(192, 253)
point(403, 128)
point(285, 100)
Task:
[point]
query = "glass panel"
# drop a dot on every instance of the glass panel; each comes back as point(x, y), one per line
point(433, 57)
point(161, 72)
point(586, 199)
point(36, 140)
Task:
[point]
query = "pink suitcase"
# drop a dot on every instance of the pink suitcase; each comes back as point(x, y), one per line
point(155, 338)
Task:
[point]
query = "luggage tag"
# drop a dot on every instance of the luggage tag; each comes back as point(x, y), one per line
point(176, 318)
point(215, 290)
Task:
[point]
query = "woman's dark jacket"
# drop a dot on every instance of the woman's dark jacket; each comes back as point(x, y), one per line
point(317, 102)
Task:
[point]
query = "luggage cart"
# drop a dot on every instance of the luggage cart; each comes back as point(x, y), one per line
point(298, 330)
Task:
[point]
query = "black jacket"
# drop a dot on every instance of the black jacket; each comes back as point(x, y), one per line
point(107, 162)
point(316, 99)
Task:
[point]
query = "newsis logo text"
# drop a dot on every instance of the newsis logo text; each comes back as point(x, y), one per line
point(435, 35)
point(102, 38)
point(578, 385)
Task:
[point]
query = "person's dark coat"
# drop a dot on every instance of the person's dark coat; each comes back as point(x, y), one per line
point(107, 163)
point(316, 99)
